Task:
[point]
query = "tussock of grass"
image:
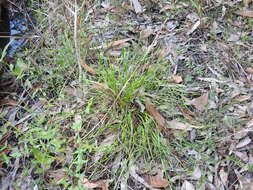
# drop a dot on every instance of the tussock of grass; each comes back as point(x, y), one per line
point(110, 111)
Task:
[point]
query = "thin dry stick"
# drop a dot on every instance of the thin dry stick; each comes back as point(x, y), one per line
point(77, 50)
point(76, 41)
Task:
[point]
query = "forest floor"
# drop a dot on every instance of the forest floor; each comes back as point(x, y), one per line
point(136, 94)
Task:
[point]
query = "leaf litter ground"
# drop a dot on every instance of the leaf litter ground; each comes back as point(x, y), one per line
point(132, 95)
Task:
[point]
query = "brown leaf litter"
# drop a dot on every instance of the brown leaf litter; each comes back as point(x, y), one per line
point(200, 102)
point(245, 13)
point(102, 184)
point(167, 126)
point(157, 181)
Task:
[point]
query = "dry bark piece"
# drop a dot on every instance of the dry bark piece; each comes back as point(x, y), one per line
point(245, 13)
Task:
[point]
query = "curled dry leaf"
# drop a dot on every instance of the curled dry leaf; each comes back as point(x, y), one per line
point(200, 102)
point(245, 13)
point(186, 113)
point(157, 181)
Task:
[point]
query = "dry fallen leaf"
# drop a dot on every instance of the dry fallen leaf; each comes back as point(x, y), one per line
point(187, 186)
point(88, 68)
point(161, 122)
point(223, 176)
point(181, 126)
point(167, 7)
point(242, 155)
point(103, 184)
point(133, 173)
point(200, 102)
point(157, 181)
point(246, 13)
point(186, 113)
point(194, 27)
point(144, 34)
point(57, 175)
point(117, 42)
point(88, 184)
point(243, 98)
point(155, 114)
point(100, 86)
point(196, 175)
point(177, 79)
point(243, 142)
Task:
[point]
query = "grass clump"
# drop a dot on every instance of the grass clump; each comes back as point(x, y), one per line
point(110, 124)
